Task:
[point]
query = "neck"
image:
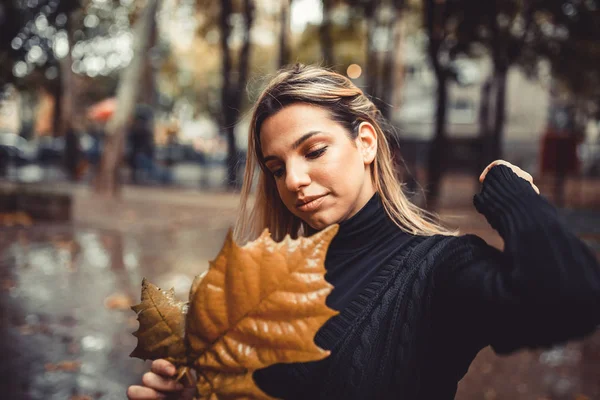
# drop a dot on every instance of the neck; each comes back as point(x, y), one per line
point(366, 225)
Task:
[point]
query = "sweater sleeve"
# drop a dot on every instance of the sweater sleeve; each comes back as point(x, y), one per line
point(543, 289)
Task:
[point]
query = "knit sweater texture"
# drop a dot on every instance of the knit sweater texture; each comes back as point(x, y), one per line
point(415, 311)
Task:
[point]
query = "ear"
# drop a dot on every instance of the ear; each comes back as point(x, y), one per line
point(367, 142)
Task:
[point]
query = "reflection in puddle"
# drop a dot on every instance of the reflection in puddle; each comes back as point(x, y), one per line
point(55, 306)
point(93, 343)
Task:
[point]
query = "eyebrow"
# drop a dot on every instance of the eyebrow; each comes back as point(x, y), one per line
point(296, 144)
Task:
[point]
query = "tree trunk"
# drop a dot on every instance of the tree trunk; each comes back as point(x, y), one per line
point(72, 155)
point(371, 59)
point(435, 21)
point(484, 123)
point(107, 180)
point(284, 33)
point(147, 93)
point(500, 75)
point(228, 110)
point(437, 149)
point(57, 92)
point(398, 69)
point(234, 84)
point(392, 63)
point(325, 35)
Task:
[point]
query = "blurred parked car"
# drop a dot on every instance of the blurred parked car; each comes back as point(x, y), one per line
point(50, 150)
point(16, 150)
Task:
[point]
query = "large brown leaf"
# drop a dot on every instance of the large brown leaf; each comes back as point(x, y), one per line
point(162, 325)
point(229, 386)
point(259, 304)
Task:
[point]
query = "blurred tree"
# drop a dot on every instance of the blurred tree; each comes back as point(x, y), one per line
point(234, 79)
point(35, 46)
point(284, 32)
point(526, 33)
point(349, 39)
point(567, 36)
point(383, 21)
point(234, 19)
point(69, 49)
point(11, 21)
point(40, 55)
point(437, 23)
point(325, 34)
point(107, 180)
point(501, 28)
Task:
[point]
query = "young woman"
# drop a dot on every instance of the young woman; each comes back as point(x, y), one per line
point(417, 302)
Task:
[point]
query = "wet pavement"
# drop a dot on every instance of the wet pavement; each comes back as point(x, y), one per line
point(66, 289)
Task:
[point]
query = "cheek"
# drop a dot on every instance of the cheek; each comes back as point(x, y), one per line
point(345, 168)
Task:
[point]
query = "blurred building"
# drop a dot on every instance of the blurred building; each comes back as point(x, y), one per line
point(527, 101)
point(527, 105)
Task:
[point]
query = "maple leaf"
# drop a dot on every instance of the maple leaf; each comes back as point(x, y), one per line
point(162, 326)
point(229, 386)
point(258, 305)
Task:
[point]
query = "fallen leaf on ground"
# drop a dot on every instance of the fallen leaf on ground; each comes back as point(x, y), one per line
point(7, 284)
point(67, 366)
point(118, 301)
point(15, 218)
point(258, 305)
point(81, 397)
point(28, 329)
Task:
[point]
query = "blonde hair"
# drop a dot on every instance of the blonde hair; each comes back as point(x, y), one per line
point(347, 105)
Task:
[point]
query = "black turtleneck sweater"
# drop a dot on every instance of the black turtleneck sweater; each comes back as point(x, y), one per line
point(364, 242)
point(414, 311)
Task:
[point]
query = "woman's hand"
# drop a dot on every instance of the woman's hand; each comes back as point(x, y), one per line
point(515, 169)
point(159, 383)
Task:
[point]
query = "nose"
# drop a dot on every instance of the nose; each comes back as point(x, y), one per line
point(297, 176)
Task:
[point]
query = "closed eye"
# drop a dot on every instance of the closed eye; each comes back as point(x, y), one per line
point(317, 153)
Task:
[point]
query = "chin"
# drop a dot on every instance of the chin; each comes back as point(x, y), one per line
point(320, 223)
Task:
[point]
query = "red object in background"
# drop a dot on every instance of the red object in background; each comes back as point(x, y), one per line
point(103, 110)
point(559, 153)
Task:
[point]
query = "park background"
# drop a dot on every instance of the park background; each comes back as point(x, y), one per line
point(123, 128)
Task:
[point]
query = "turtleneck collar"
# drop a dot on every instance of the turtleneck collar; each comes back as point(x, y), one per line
point(365, 227)
point(364, 243)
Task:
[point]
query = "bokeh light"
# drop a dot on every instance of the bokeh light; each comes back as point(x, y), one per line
point(354, 71)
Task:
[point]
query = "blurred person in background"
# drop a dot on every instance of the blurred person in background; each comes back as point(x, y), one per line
point(142, 150)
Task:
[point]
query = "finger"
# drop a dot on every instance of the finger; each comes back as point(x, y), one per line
point(490, 166)
point(163, 368)
point(535, 188)
point(135, 392)
point(523, 174)
point(484, 173)
point(160, 383)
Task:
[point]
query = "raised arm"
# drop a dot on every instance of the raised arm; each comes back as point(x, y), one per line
point(543, 289)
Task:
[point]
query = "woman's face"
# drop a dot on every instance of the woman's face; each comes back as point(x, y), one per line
point(322, 175)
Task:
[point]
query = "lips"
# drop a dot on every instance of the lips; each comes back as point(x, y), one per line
point(309, 203)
